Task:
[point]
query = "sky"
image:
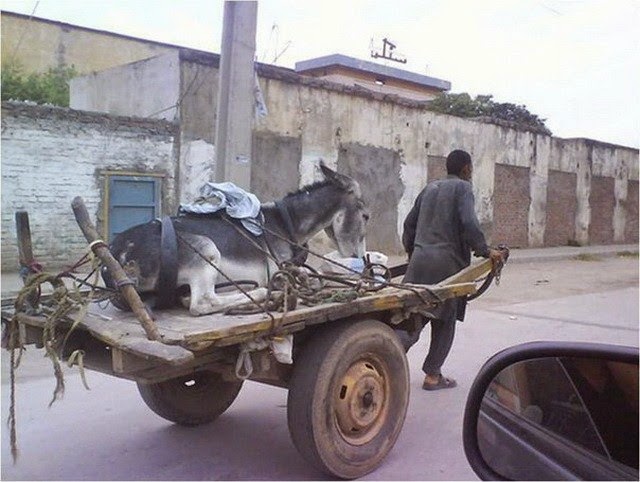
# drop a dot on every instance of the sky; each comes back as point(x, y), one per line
point(575, 63)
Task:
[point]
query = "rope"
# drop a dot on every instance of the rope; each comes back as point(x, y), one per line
point(62, 302)
point(77, 358)
point(364, 275)
point(14, 344)
point(366, 283)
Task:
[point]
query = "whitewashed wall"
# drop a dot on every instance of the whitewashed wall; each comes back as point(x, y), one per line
point(50, 155)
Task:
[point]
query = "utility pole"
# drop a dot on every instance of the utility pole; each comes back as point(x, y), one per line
point(234, 122)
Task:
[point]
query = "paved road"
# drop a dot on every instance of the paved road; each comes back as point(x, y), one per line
point(109, 434)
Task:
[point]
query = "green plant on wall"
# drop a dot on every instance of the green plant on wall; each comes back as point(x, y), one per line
point(463, 105)
point(51, 87)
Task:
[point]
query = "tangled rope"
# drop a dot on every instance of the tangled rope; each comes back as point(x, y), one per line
point(62, 302)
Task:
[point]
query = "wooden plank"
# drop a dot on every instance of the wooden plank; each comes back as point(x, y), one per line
point(172, 354)
point(470, 273)
point(127, 337)
point(23, 233)
point(182, 334)
point(384, 300)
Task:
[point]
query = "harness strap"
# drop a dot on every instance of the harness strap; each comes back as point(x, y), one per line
point(168, 276)
point(299, 254)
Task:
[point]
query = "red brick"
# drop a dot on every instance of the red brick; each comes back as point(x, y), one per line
point(511, 199)
point(631, 224)
point(561, 208)
point(602, 202)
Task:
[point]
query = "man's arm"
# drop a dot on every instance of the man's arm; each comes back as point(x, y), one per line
point(410, 225)
point(471, 232)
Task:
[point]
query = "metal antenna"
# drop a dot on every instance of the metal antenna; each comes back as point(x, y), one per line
point(387, 54)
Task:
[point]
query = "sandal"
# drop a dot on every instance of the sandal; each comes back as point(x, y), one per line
point(443, 382)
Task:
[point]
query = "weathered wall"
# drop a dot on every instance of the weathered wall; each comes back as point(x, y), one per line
point(118, 90)
point(370, 165)
point(50, 155)
point(275, 160)
point(40, 44)
point(511, 207)
point(436, 168)
point(403, 146)
point(197, 107)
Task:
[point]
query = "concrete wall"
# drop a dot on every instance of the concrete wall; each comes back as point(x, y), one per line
point(124, 84)
point(40, 44)
point(403, 145)
point(511, 165)
point(50, 155)
point(393, 146)
point(279, 156)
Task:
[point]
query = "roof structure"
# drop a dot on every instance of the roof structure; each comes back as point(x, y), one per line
point(382, 71)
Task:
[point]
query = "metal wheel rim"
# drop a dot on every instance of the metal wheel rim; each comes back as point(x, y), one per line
point(362, 401)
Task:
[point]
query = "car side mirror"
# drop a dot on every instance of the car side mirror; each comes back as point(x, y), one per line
point(555, 411)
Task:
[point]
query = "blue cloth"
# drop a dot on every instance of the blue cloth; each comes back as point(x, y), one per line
point(236, 201)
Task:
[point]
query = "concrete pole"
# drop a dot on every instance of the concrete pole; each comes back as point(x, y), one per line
point(235, 93)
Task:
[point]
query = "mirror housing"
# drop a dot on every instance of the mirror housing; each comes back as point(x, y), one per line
point(514, 355)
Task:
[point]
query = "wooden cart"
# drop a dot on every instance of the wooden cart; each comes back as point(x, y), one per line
point(348, 383)
point(346, 373)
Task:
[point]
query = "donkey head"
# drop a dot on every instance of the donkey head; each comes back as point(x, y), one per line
point(348, 225)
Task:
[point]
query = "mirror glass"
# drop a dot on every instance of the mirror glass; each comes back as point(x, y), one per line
point(561, 418)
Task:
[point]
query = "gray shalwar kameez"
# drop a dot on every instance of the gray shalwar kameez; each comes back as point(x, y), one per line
point(439, 233)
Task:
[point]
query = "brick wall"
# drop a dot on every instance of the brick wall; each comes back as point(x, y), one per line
point(561, 208)
point(631, 226)
point(50, 155)
point(511, 206)
point(601, 202)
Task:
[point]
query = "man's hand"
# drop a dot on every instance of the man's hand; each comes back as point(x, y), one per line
point(496, 257)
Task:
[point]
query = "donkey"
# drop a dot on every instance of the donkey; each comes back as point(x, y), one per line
point(208, 245)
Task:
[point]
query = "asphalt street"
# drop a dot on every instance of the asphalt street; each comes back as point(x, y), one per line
point(108, 433)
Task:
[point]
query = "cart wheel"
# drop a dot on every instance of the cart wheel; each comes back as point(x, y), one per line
point(191, 400)
point(348, 397)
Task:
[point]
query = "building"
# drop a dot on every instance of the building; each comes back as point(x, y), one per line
point(375, 77)
point(38, 44)
point(152, 121)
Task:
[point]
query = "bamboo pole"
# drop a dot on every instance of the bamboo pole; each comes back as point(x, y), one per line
point(101, 250)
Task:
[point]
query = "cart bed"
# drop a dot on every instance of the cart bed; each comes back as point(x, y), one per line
point(187, 340)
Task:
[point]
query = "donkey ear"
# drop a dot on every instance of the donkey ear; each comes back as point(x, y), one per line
point(339, 179)
point(326, 171)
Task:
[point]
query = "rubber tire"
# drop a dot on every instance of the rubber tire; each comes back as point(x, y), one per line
point(318, 373)
point(190, 404)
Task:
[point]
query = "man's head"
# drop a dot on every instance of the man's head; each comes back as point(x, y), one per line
point(459, 164)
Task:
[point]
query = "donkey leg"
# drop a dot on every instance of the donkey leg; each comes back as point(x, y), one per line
point(219, 303)
point(201, 277)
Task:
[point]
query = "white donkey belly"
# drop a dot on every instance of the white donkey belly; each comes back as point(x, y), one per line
point(202, 276)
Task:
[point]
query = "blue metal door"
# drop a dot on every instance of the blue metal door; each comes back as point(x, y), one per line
point(132, 200)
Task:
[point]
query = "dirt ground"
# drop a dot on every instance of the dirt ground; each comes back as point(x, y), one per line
point(541, 280)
